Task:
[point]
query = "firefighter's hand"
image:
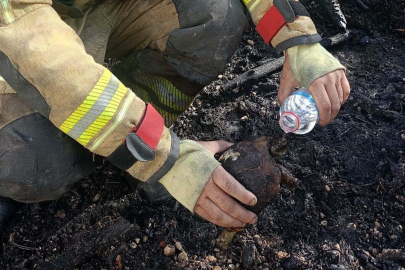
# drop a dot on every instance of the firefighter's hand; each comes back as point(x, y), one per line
point(329, 91)
point(217, 202)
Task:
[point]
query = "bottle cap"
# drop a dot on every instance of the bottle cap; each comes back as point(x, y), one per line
point(289, 122)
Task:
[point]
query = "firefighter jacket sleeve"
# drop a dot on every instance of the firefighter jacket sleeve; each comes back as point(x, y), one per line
point(286, 24)
point(283, 23)
point(45, 62)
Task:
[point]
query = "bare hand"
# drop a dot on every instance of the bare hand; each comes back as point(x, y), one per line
point(330, 92)
point(217, 202)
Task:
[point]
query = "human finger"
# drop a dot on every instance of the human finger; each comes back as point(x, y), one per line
point(321, 98)
point(346, 88)
point(211, 212)
point(216, 147)
point(334, 100)
point(229, 205)
point(232, 187)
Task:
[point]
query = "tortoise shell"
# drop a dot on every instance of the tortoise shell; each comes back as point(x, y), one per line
point(252, 165)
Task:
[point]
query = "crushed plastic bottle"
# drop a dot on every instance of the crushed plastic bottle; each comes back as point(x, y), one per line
point(299, 114)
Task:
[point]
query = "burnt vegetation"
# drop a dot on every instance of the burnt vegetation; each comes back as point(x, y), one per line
point(348, 211)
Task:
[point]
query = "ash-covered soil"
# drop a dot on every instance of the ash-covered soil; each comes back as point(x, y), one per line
point(348, 212)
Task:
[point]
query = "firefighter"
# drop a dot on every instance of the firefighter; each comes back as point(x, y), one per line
point(59, 104)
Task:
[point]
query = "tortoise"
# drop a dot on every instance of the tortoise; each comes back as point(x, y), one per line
point(252, 164)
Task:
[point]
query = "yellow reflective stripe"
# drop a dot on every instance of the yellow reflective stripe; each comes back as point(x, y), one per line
point(87, 104)
point(115, 124)
point(105, 116)
point(7, 14)
point(254, 5)
point(247, 2)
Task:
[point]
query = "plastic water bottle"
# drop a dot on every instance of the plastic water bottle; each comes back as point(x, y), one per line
point(299, 114)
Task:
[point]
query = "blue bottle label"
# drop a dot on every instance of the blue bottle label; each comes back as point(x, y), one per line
point(307, 95)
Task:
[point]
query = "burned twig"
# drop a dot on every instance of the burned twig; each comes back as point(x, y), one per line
point(255, 73)
point(336, 39)
point(362, 6)
point(272, 66)
point(334, 12)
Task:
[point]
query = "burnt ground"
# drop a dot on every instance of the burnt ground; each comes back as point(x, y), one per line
point(348, 212)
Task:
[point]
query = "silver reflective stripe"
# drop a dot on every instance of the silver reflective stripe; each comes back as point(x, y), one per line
point(96, 110)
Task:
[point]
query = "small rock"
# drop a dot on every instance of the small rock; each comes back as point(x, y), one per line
point(324, 223)
point(254, 94)
point(220, 77)
point(96, 198)
point(374, 251)
point(133, 245)
point(281, 255)
point(179, 246)
point(217, 268)
point(351, 226)
point(211, 258)
point(198, 102)
point(365, 40)
point(137, 240)
point(182, 257)
point(274, 103)
point(145, 238)
point(169, 250)
point(322, 215)
point(327, 188)
point(403, 136)
point(244, 118)
point(250, 42)
point(236, 90)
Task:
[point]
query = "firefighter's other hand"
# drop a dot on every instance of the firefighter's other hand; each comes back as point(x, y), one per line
point(329, 92)
point(217, 202)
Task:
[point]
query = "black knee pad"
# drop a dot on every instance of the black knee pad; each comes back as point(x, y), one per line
point(210, 32)
point(38, 162)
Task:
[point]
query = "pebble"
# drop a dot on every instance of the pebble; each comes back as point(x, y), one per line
point(274, 103)
point(145, 238)
point(322, 215)
point(324, 223)
point(281, 255)
point(220, 77)
point(244, 118)
point(236, 90)
point(169, 250)
point(211, 258)
point(250, 42)
point(137, 240)
point(179, 246)
point(183, 257)
point(254, 94)
point(403, 136)
point(374, 251)
point(96, 198)
point(217, 268)
point(327, 188)
point(133, 245)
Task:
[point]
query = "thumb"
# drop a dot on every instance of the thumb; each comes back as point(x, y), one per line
point(216, 147)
